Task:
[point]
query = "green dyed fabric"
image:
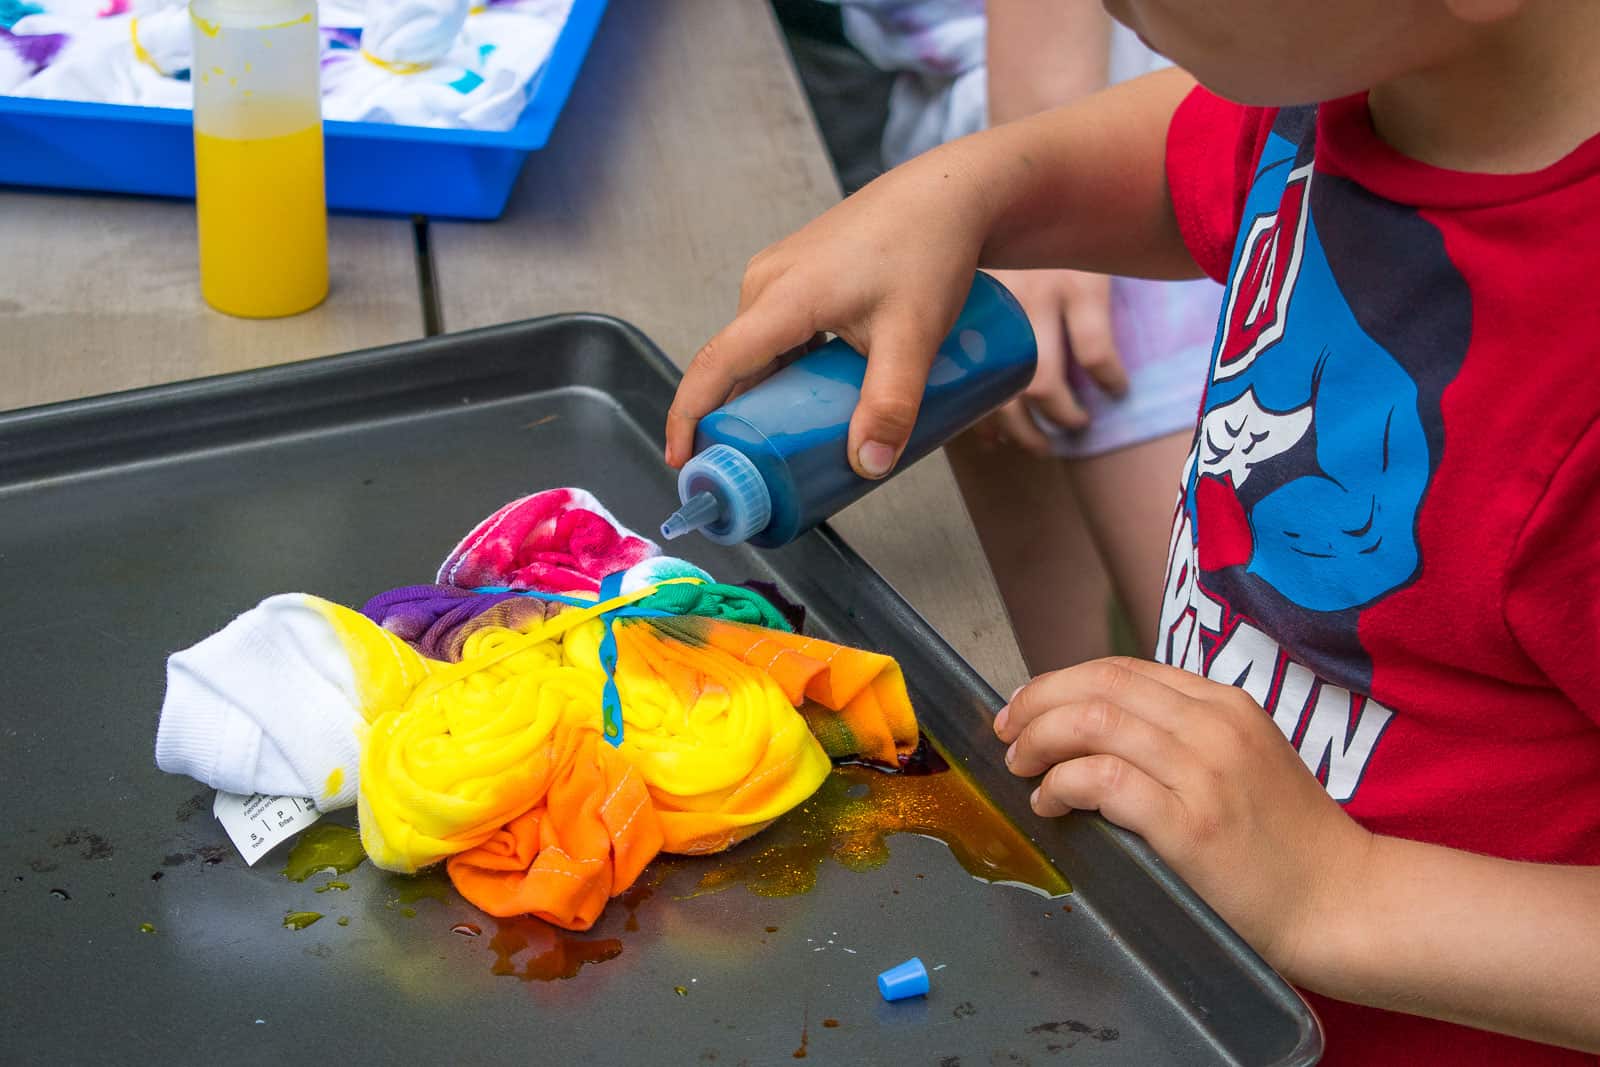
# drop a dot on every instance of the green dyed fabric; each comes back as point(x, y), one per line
point(713, 600)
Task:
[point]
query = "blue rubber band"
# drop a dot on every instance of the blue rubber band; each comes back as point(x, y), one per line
point(610, 700)
point(610, 589)
point(536, 595)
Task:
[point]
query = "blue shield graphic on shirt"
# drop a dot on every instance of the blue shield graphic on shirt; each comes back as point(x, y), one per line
point(1321, 426)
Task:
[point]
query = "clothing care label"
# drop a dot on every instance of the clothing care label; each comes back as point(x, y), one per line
point(257, 822)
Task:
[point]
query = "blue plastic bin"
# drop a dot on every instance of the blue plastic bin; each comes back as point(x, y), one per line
point(371, 166)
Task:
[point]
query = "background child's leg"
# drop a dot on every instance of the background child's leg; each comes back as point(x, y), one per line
point(1127, 497)
point(1040, 548)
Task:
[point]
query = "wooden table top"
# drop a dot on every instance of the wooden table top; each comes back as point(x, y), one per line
point(685, 148)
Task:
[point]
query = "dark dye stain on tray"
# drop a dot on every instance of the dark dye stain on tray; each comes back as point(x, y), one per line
point(135, 524)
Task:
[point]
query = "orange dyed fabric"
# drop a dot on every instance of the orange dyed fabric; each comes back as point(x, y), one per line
point(582, 845)
point(853, 700)
point(608, 812)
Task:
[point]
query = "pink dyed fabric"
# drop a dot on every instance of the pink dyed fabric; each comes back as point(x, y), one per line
point(560, 541)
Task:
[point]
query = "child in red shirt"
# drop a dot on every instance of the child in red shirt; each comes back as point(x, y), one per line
point(1371, 739)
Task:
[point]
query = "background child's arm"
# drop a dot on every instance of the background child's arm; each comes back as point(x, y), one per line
point(1203, 774)
point(1043, 54)
point(887, 270)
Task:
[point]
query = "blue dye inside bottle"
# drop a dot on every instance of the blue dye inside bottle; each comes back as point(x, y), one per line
point(773, 463)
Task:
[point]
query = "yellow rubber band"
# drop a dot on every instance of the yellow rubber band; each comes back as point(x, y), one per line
point(548, 630)
point(394, 68)
point(301, 21)
point(139, 51)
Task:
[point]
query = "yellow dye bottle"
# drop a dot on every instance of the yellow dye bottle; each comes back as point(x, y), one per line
point(259, 195)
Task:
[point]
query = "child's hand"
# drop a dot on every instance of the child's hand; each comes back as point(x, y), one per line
point(1200, 772)
point(1070, 312)
point(887, 270)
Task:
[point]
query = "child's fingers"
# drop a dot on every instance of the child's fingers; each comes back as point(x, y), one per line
point(1190, 684)
point(1048, 393)
point(1094, 346)
point(1111, 680)
point(742, 350)
point(1017, 427)
point(799, 351)
point(1116, 789)
point(1097, 727)
point(1059, 405)
point(899, 353)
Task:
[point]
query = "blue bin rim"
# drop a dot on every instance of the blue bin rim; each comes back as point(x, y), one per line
point(546, 97)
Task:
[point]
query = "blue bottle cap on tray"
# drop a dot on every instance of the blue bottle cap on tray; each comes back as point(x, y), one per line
point(909, 979)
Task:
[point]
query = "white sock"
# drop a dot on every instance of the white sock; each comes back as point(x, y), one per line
point(268, 704)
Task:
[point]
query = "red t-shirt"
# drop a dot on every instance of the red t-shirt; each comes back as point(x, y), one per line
point(1389, 532)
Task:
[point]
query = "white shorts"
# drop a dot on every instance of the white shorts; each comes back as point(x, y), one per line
point(1163, 332)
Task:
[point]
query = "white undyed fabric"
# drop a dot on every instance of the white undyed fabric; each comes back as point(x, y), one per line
point(936, 49)
point(166, 38)
point(267, 704)
point(436, 63)
point(14, 69)
point(413, 31)
point(480, 82)
point(657, 570)
point(100, 62)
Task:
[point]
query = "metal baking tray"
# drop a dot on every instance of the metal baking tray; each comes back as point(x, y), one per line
point(134, 524)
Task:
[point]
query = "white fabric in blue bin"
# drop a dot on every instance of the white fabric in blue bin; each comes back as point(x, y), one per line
point(440, 63)
point(138, 56)
point(463, 64)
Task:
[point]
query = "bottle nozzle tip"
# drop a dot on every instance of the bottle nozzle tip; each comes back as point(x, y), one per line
point(700, 510)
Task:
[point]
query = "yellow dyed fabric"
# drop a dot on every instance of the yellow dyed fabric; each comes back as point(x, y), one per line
point(497, 761)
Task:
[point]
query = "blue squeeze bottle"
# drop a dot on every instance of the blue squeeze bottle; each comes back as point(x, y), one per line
point(773, 463)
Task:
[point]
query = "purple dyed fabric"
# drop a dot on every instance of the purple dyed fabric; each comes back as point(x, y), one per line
point(433, 618)
point(794, 614)
point(36, 50)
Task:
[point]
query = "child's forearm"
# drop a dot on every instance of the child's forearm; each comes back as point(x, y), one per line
point(1044, 53)
point(1081, 186)
point(1512, 947)
point(887, 270)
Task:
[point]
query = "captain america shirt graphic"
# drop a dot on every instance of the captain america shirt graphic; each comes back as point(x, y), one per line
point(1388, 525)
point(1313, 453)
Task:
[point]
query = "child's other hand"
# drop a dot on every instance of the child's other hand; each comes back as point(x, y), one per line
point(1070, 312)
point(1200, 771)
point(887, 270)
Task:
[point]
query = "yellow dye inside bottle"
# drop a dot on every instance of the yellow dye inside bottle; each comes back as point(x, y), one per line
point(263, 224)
